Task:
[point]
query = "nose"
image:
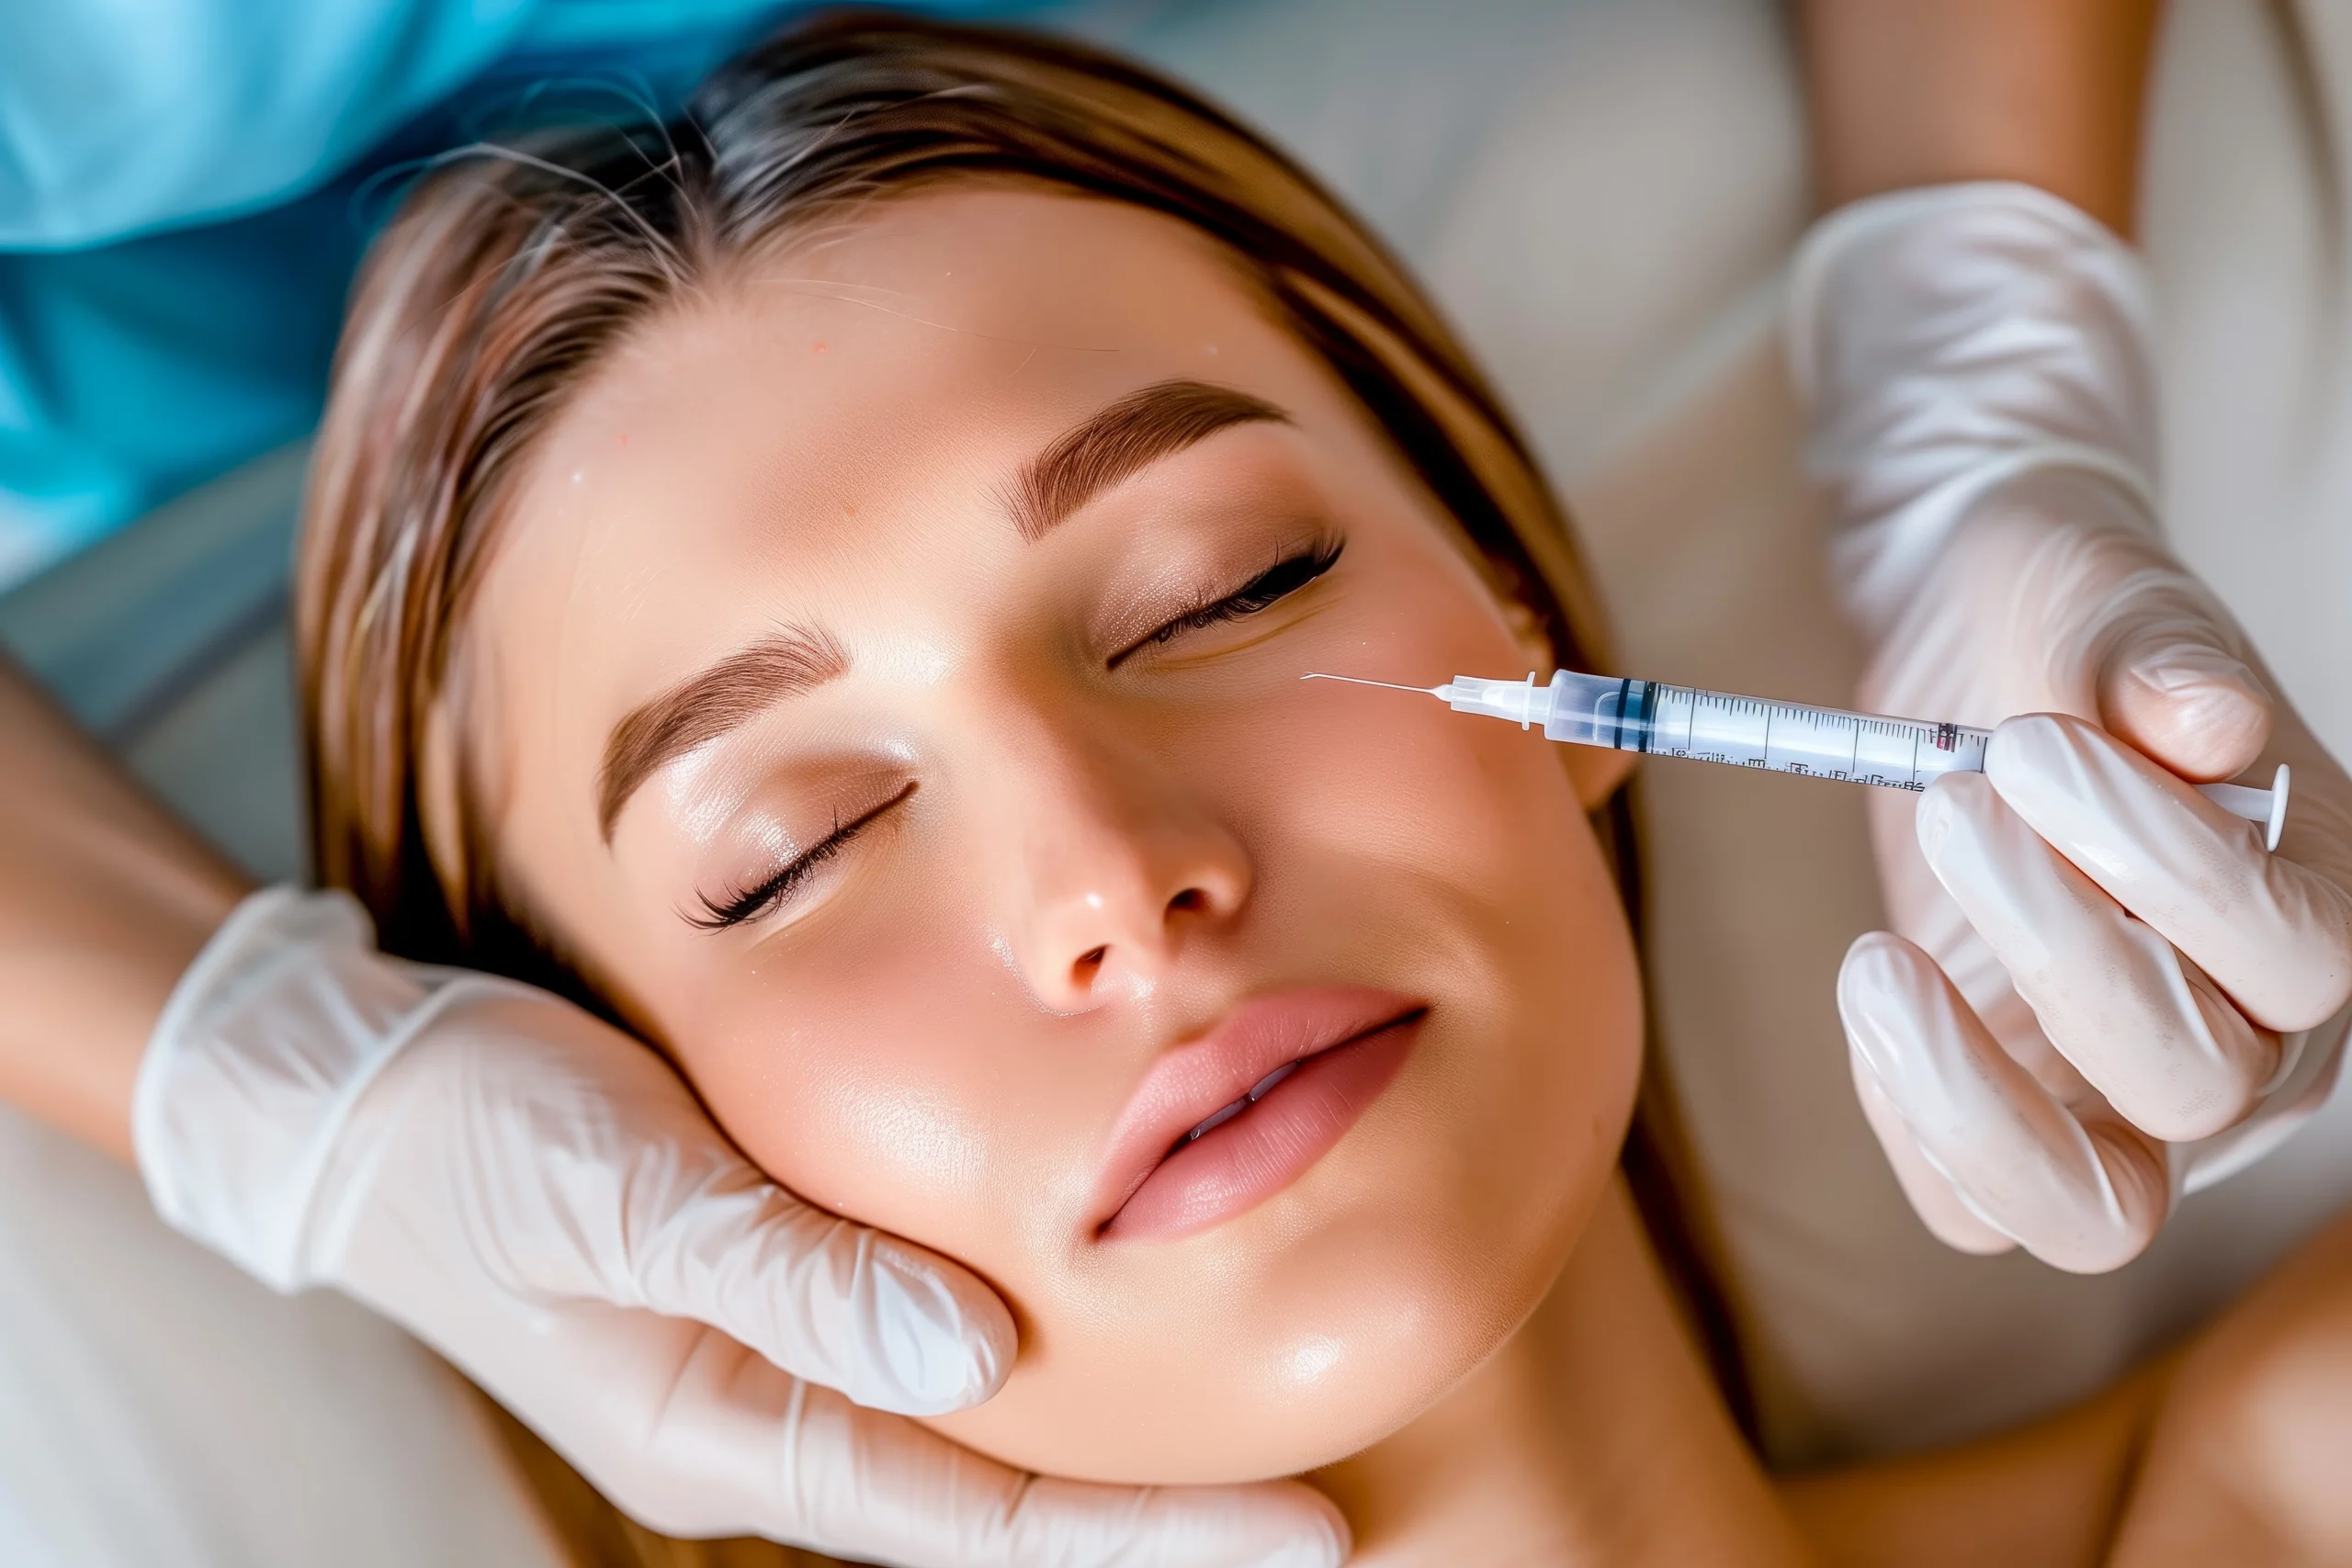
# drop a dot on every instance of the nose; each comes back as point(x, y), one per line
point(1122, 860)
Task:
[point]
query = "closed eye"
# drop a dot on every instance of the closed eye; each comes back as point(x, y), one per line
point(1277, 583)
point(775, 890)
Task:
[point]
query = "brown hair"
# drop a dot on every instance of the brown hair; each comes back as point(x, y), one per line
point(506, 278)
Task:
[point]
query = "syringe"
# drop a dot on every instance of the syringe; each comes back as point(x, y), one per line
point(1754, 732)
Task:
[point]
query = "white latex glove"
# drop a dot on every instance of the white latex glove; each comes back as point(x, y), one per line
point(538, 1197)
point(2105, 992)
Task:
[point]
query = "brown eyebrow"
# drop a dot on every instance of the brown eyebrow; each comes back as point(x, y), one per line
point(707, 705)
point(1109, 445)
point(1120, 438)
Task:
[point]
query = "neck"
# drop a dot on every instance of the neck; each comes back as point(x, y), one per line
point(1593, 1436)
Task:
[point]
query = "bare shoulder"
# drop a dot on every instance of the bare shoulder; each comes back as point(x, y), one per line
point(2044, 1495)
point(2249, 1459)
point(2234, 1448)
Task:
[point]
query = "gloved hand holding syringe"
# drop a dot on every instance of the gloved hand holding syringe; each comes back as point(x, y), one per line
point(1653, 717)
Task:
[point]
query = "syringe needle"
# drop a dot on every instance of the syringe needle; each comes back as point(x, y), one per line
point(1360, 681)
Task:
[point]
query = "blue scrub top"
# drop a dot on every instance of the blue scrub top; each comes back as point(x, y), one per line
point(186, 187)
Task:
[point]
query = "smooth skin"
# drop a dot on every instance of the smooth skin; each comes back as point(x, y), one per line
point(1098, 818)
point(1110, 834)
point(2227, 1450)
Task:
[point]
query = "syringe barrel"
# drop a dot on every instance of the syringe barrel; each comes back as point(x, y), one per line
point(1652, 716)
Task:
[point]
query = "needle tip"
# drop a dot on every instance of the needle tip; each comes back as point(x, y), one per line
point(1360, 681)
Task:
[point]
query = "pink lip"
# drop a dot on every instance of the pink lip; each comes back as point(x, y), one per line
point(1343, 1043)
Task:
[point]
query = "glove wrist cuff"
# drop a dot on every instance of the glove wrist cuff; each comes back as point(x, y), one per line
point(267, 1042)
point(1947, 341)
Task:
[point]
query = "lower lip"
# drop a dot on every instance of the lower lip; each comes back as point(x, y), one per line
point(1241, 1163)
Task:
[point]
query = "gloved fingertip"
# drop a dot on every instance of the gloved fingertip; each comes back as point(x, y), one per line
point(1861, 976)
point(1263, 1524)
point(1875, 985)
point(1931, 822)
point(1878, 965)
point(2198, 709)
point(1324, 1539)
point(1318, 1533)
point(1944, 811)
point(2037, 742)
point(945, 1341)
point(2037, 757)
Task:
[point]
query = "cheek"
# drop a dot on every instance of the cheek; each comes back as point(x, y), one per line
point(870, 1082)
point(1394, 845)
point(895, 1071)
point(1501, 906)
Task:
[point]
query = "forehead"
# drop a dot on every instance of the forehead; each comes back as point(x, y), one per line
point(882, 373)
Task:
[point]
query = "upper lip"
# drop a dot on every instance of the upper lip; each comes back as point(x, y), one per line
point(1193, 1080)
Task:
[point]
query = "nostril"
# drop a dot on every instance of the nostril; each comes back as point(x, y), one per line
point(1089, 962)
point(1190, 901)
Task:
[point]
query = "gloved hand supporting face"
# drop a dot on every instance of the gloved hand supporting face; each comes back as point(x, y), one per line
point(541, 1198)
point(2105, 991)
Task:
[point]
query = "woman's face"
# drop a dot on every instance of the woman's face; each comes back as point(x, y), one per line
point(889, 690)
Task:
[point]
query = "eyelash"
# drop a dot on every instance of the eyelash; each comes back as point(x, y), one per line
point(1277, 583)
point(777, 889)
